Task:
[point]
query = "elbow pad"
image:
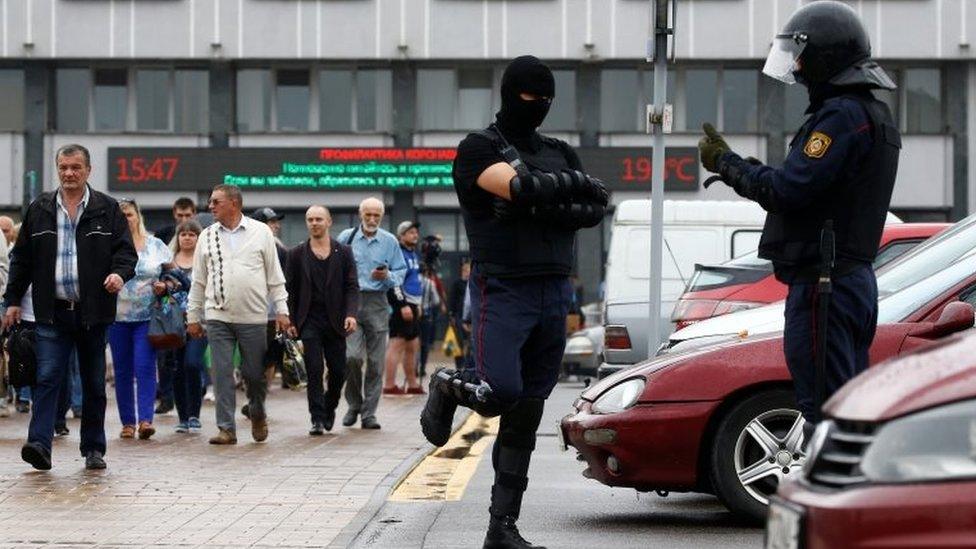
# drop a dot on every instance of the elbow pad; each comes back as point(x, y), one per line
point(539, 188)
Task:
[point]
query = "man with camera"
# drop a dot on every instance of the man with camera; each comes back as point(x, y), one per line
point(380, 267)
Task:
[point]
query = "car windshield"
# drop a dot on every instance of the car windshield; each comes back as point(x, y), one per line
point(898, 306)
point(929, 258)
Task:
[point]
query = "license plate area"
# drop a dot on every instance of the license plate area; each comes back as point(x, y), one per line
point(784, 525)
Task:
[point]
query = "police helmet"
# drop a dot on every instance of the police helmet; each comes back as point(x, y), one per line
point(828, 40)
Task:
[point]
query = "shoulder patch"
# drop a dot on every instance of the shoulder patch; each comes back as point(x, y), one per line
point(817, 145)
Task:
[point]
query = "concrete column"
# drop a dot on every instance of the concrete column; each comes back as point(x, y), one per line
point(589, 242)
point(39, 89)
point(956, 86)
point(221, 104)
point(404, 115)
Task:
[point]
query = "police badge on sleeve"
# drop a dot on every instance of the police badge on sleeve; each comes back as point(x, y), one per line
point(817, 145)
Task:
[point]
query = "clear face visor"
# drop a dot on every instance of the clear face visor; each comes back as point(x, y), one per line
point(783, 56)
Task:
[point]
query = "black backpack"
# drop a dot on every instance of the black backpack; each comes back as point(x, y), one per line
point(18, 341)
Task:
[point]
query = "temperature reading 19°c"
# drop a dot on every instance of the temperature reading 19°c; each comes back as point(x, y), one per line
point(138, 169)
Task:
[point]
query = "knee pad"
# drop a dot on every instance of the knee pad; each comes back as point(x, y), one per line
point(519, 425)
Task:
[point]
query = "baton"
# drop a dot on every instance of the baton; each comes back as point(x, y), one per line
point(824, 290)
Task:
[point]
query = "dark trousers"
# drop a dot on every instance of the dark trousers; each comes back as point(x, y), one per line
point(321, 343)
point(53, 346)
point(428, 331)
point(518, 333)
point(851, 322)
point(188, 378)
point(165, 365)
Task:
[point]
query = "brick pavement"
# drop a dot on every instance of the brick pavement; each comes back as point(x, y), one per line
point(176, 490)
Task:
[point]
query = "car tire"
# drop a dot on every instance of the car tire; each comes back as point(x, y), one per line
point(737, 450)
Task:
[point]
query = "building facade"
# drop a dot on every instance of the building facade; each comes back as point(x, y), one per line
point(126, 77)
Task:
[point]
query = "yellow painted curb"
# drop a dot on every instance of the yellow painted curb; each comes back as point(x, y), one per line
point(444, 474)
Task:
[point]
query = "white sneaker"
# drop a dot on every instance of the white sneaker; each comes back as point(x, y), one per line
point(209, 397)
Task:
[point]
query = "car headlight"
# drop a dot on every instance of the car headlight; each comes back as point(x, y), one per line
point(619, 397)
point(937, 444)
point(579, 345)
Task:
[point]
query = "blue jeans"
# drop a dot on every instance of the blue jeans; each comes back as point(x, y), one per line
point(188, 378)
point(134, 361)
point(54, 345)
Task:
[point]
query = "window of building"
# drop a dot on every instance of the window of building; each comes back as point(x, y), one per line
point(701, 98)
point(355, 100)
point(562, 115)
point(740, 100)
point(474, 98)
point(436, 99)
point(12, 98)
point(620, 97)
point(111, 99)
point(443, 224)
point(292, 100)
point(797, 99)
point(191, 101)
point(152, 99)
point(922, 100)
point(254, 100)
point(374, 100)
point(72, 96)
point(335, 91)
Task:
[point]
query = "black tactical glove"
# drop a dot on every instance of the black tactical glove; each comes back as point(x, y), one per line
point(581, 185)
point(711, 148)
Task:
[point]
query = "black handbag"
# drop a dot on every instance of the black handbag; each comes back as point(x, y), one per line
point(167, 327)
point(18, 341)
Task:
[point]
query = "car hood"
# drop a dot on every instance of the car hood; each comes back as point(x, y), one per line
point(938, 374)
point(651, 366)
point(760, 320)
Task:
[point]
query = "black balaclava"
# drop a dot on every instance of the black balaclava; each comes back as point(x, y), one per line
point(519, 118)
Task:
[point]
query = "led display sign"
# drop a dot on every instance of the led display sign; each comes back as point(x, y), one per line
point(343, 168)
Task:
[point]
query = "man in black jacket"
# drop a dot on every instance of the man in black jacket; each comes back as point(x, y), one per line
point(323, 298)
point(76, 250)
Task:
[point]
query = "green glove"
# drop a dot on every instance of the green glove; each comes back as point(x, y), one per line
point(711, 148)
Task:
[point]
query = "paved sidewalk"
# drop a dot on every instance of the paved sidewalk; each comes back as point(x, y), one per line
point(176, 490)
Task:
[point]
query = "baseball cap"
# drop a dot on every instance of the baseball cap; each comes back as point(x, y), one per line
point(266, 214)
point(405, 226)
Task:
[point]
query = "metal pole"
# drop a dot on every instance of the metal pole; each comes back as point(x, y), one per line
point(659, 33)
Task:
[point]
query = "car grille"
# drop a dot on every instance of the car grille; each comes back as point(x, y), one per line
point(837, 463)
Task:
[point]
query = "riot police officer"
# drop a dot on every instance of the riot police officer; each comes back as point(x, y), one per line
point(839, 172)
point(523, 196)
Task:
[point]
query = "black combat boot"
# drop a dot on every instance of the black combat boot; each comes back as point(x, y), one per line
point(437, 418)
point(504, 534)
point(510, 457)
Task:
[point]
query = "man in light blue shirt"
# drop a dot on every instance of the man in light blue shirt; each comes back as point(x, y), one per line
point(380, 267)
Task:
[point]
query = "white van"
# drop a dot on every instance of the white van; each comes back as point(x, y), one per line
point(698, 231)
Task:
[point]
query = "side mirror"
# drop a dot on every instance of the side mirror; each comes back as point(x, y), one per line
point(955, 317)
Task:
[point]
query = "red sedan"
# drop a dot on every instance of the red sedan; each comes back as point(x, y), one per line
point(746, 282)
point(894, 465)
point(722, 419)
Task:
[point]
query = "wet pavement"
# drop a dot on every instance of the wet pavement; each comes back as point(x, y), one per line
point(175, 489)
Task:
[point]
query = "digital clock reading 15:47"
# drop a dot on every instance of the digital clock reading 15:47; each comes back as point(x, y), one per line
point(141, 169)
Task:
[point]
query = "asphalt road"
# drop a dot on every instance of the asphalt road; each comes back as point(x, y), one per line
point(561, 509)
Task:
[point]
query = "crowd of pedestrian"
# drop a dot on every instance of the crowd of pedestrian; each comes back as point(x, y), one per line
point(84, 272)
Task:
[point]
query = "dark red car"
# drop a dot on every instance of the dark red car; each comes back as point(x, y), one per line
point(894, 464)
point(721, 419)
point(746, 282)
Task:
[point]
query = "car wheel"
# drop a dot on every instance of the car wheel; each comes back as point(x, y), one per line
point(758, 444)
